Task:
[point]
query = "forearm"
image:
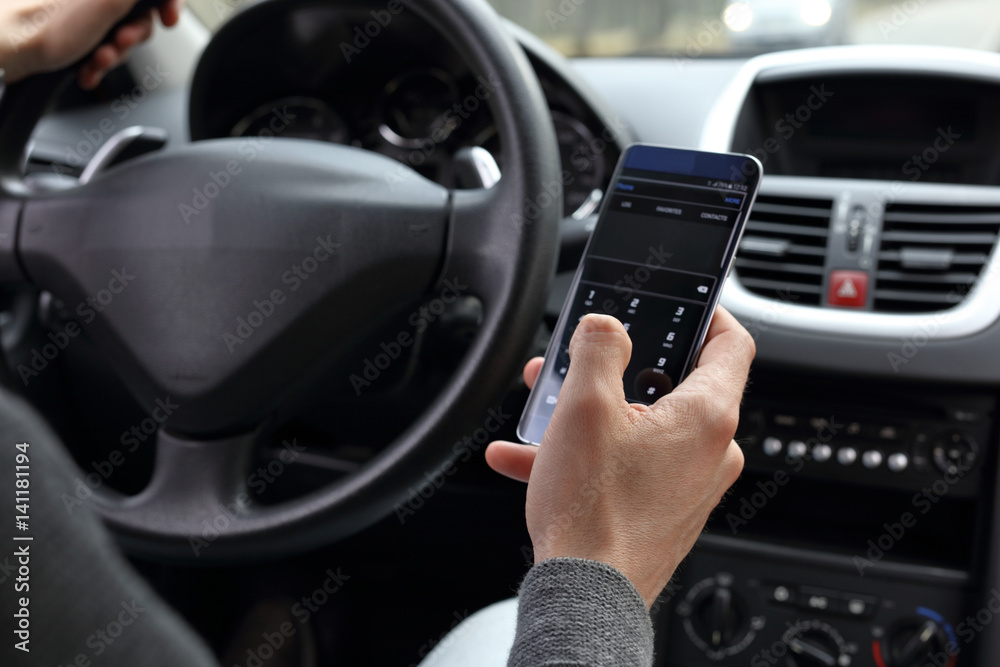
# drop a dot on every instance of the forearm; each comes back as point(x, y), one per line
point(580, 613)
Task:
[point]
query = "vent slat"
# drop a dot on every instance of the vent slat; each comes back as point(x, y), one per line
point(945, 218)
point(959, 258)
point(931, 256)
point(754, 284)
point(914, 297)
point(939, 238)
point(785, 267)
point(928, 278)
point(820, 216)
point(811, 251)
point(757, 225)
point(798, 228)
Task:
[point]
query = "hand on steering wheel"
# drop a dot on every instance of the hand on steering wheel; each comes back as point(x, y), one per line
point(41, 36)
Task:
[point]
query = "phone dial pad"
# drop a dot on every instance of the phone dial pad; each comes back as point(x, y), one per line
point(662, 330)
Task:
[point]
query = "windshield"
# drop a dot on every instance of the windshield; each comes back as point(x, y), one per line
point(695, 28)
point(713, 28)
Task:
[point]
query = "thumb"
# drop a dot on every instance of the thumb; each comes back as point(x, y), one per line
point(599, 352)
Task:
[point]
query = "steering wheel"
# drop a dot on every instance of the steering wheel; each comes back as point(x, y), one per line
point(183, 271)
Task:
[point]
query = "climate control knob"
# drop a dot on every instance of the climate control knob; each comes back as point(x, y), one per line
point(813, 648)
point(909, 644)
point(717, 619)
point(816, 644)
point(955, 453)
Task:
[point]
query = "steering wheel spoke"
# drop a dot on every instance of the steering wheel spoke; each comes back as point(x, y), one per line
point(488, 227)
point(21, 105)
point(198, 493)
point(10, 267)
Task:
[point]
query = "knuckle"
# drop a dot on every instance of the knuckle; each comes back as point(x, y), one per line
point(707, 417)
point(724, 423)
point(718, 420)
point(747, 344)
point(590, 409)
point(685, 410)
point(733, 464)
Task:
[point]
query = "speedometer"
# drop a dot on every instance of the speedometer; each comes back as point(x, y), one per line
point(415, 108)
point(294, 118)
point(582, 155)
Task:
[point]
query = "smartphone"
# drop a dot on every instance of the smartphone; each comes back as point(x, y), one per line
point(662, 247)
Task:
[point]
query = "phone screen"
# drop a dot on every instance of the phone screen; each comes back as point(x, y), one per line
point(663, 244)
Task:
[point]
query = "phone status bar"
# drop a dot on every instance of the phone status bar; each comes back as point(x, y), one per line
point(727, 185)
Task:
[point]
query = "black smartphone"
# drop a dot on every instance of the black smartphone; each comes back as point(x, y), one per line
point(663, 245)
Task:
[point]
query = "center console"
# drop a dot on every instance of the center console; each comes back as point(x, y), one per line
point(865, 530)
point(851, 538)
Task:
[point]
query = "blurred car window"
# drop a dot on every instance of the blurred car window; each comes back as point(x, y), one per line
point(714, 28)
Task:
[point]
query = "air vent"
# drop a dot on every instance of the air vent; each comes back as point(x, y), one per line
point(931, 256)
point(784, 249)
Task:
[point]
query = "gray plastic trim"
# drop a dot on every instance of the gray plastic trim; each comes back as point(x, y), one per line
point(981, 307)
point(113, 147)
point(483, 165)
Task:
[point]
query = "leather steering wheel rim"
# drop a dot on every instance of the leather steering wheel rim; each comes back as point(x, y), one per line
point(501, 243)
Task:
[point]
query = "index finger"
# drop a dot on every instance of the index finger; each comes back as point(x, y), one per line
point(170, 12)
point(725, 360)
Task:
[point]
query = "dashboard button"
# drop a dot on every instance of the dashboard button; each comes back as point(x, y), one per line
point(955, 454)
point(856, 607)
point(888, 433)
point(785, 420)
point(848, 289)
point(782, 594)
point(797, 449)
point(847, 456)
point(871, 459)
point(820, 602)
point(822, 453)
point(772, 446)
point(898, 462)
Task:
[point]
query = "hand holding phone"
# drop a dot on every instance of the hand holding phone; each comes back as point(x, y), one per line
point(609, 472)
point(663, 245)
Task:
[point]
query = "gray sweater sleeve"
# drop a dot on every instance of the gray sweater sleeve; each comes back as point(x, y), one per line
point(575, 613)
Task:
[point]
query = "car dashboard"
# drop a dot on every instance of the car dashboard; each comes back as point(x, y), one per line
point(861, 531)
point(864, 531)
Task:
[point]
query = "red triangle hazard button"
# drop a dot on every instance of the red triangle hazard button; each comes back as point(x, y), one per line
point(848, 289)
